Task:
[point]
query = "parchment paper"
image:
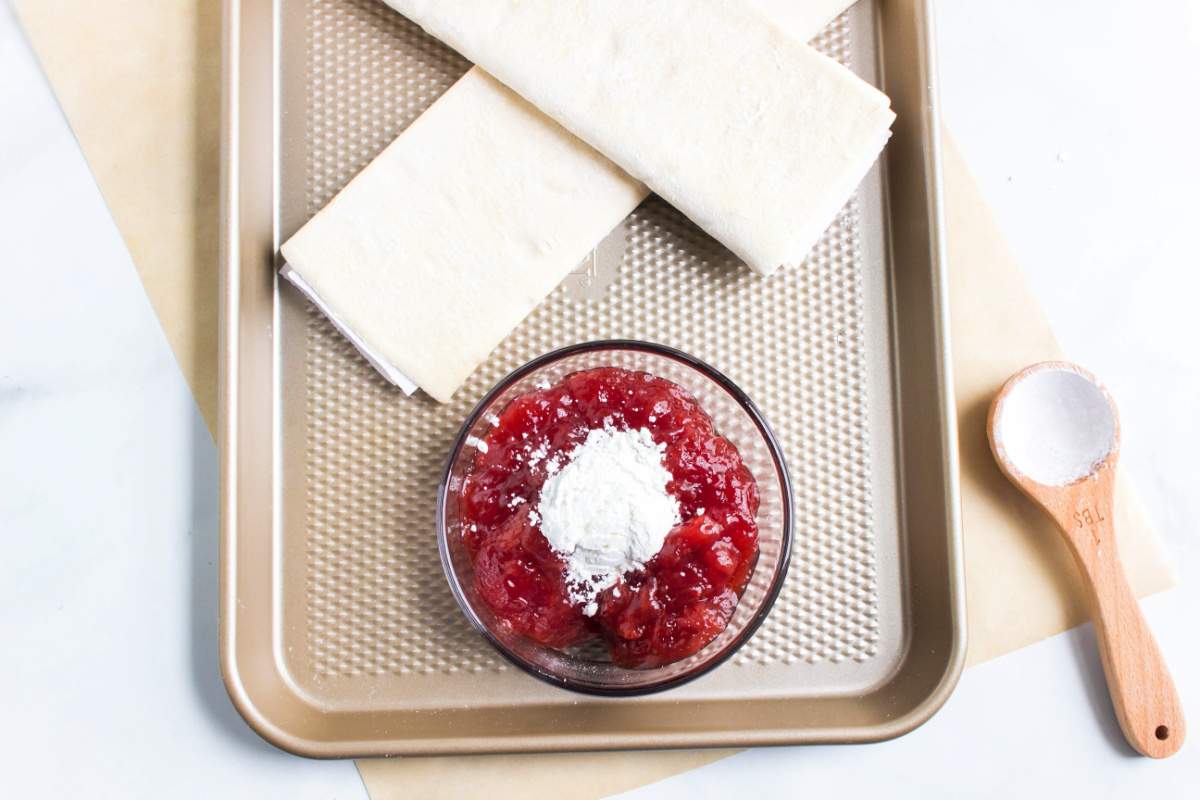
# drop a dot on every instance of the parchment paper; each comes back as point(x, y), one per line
point(140, 85)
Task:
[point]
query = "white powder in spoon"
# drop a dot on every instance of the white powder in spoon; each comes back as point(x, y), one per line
point(1055, 426)
point(607, 510)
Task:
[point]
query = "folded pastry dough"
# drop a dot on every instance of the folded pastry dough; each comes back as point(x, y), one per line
point(452, 235)
point(444, 243)
point(755, 136)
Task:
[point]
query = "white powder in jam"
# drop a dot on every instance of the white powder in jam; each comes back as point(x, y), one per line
point(607, 510)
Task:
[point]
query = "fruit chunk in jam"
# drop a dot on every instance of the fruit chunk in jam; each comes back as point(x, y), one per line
point(686, 594)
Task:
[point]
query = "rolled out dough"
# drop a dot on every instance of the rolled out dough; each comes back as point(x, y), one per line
point(755, 136)
point(448, 239)
point(445, 242)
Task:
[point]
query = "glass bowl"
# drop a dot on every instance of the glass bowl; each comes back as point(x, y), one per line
point(587, 668)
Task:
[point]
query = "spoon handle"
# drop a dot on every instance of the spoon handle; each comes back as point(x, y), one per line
point(1143, 693)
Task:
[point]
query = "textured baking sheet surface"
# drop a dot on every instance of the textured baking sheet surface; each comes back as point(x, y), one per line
point(359, 506)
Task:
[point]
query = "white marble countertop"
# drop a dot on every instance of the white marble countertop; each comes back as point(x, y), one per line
point(1080, 120)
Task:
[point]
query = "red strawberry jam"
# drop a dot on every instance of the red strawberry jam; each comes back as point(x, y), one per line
point(685, 595)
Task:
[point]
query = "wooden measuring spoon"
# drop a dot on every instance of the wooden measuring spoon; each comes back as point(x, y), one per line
point(1055, 433)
